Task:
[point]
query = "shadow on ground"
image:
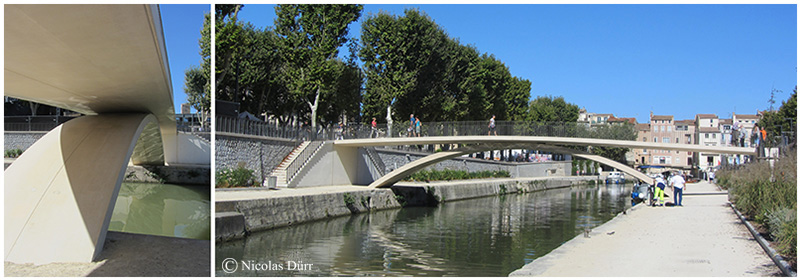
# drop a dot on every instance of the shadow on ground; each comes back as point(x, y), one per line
point(137, 255)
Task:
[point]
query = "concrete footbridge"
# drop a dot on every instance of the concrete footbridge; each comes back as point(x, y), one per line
point(472, 144)
point(110, 63)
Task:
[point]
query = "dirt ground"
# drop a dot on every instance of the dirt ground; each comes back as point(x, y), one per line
point(132, 255)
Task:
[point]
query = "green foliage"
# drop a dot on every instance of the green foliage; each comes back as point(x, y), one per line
point(449, 175)
point(767, 196)
point(782, 121)
point(349, 199)
point(13, 153)
point(548, 109)
point(414, 67)
point(310, 36)
point(782, 223)
point(239, 177)
point(401, 199)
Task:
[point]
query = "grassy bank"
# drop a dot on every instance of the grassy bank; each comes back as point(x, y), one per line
point(768, 196)
point(449, 175)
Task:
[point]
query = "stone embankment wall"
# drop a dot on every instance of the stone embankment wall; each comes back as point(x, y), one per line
point(257, 153)
point(234, 219)
point(169, 174)
point(21, 140)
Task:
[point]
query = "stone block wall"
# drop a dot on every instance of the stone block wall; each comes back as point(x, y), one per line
point(261, 154)
point(21, 140)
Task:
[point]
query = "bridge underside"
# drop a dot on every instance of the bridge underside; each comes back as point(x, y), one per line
point(406, 170)
point(91, 59)
point(60, 194)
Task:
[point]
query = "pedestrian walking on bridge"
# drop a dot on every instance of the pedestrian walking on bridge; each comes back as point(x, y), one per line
point(492, 126)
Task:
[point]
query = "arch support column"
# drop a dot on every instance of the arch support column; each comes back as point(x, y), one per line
point(59, 195)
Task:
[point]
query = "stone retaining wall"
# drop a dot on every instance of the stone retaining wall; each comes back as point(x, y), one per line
point(268, 213)
point(260, 154)
point(21, 139)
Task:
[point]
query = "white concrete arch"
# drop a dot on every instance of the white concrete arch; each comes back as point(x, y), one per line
point(59, 195)
point(412, 167)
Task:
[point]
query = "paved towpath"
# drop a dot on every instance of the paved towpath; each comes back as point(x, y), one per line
point(702, 238)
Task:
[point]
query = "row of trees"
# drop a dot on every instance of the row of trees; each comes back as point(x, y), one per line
point(293, 71)
point(410, 65)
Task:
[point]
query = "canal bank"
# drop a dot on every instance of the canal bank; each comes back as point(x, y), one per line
point(242, 211)
point(702, 238)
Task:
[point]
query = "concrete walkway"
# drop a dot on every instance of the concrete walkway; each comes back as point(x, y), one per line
point(703, 238)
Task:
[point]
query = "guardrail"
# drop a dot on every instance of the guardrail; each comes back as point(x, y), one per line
point(301, 160)
point(34, 123)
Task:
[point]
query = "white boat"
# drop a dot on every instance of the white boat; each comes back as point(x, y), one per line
point(615, 177)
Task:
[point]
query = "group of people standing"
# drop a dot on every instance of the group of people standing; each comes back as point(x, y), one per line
point(414, 127)
point(677, 182)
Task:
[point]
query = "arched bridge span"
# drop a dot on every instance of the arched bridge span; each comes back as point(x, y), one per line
point(486, 143)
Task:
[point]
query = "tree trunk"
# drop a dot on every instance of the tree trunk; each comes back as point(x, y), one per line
point(314, 107)
point(389, 120)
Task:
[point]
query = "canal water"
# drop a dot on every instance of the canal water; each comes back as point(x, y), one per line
point(490, 236)
point(163, 209)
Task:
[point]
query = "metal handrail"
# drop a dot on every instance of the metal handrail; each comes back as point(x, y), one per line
point(376, 160)
point(302, 159)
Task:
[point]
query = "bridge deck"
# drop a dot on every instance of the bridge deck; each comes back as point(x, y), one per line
point(523, 140)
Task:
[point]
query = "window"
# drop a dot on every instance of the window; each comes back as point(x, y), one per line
point(644, 139)
point(706, 135)
point(677, 160)
point(677, 140)
point(714, 136)
point(666, 139)
point(669, 128)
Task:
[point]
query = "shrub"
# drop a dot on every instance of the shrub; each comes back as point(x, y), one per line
point(448, 175)
point(768, 196)
point(782, 224)
point(13, 153)
point(239, 177)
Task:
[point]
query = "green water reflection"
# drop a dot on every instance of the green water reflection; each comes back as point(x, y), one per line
point(490, 236)
point(163, 209)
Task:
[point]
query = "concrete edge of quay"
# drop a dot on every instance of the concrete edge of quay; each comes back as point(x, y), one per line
point(537, 266)
point(779, 261)
point(236, 219)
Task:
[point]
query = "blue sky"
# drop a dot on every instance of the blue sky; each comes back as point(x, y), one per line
point(627, 60)
point(182, 25)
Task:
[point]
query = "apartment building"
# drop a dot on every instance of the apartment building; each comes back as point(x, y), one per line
point(665, 129)
point(707, 134)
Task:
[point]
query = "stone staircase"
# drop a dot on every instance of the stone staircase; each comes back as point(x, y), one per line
point(280, 171)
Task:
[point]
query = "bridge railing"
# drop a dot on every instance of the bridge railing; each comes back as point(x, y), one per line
point(430, 129)
point(34, 123)
point(472, 128)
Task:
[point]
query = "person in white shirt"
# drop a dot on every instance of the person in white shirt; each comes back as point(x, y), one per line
point(678, 184)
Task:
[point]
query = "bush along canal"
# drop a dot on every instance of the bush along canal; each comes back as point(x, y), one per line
point(488, 236)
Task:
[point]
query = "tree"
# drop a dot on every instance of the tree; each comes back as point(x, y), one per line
point(197, 82)
point(783, 121)
point(547, 109)
point(395, 53)
point(228, 37)
point(622, 131)
point(310, 38)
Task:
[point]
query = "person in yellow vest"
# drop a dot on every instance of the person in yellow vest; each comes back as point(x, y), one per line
point(661, 185)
